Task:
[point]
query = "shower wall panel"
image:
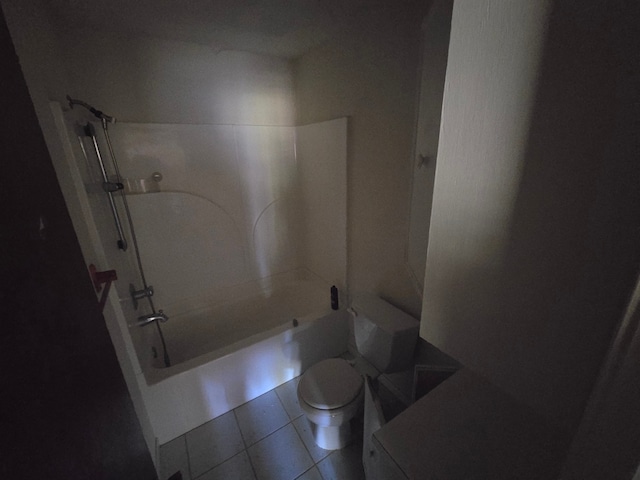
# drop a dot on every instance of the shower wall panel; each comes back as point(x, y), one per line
point(268, 173)
point(224, 212)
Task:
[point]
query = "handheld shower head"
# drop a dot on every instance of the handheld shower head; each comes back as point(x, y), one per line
point(97, 113)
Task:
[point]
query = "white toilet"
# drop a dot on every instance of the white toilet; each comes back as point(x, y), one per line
point(331, 392)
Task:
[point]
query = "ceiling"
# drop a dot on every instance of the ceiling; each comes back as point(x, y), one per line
point(284, 28)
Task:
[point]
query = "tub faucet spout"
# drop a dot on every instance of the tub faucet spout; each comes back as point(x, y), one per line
point(152, 317)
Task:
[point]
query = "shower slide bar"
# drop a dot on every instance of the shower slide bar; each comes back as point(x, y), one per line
point(108, 186)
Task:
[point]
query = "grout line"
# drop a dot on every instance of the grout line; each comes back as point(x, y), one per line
point(186, 445)
point(235, 417)
point(304, 444)
point(310, 468)
point(225, 461)
point(246, 445)
point(270, 433)
point(295, 393)
point(244, 442)
point(275, 390)
point(281, 402)
point(315, 464)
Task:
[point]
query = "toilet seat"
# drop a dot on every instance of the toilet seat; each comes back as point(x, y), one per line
point(330, 384)
point(330, 394)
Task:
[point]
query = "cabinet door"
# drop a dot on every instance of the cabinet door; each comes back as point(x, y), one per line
point(377, 463)
point(382, 466)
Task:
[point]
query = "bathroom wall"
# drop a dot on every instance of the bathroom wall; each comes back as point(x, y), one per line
point(370, 75)
point(144, 79)
point(226, 136)
point(321, 150)
point(535, 223)
point(436, 29)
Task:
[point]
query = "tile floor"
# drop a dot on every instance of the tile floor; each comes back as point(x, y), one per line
point(267, 438)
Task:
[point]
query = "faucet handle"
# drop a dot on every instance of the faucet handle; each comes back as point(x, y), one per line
point(139, 294)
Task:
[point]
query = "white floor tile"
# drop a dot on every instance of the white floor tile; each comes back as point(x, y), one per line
point(280, 456)
point(236, 468)
point(212, 443)
point(260, 417)
point(278, 440)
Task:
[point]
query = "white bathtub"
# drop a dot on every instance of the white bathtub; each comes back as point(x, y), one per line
point(229, 353)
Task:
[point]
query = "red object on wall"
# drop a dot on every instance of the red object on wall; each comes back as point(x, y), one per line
point(100, 278)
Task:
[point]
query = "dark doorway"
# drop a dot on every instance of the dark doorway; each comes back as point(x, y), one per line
point(66, 411)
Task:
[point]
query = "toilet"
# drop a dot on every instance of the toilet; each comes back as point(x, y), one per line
point(331, 392)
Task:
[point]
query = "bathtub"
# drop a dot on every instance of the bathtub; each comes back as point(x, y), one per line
point(233, 351)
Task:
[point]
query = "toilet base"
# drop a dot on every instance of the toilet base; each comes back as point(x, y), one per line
point(331, 438)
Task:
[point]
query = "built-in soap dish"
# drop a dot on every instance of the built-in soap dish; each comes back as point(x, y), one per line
point(137, 186)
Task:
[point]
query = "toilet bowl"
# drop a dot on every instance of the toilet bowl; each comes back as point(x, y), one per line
point(330, 394)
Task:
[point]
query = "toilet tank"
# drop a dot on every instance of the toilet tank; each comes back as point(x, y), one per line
point(385, 335)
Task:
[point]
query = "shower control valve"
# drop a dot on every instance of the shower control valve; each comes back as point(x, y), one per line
point(137, 295)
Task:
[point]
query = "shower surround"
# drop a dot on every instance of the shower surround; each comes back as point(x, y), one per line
point(235, 204)
point(242, 231)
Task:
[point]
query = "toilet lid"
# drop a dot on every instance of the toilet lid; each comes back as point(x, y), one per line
point(330, 384)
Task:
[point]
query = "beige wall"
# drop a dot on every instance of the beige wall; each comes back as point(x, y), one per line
point(321, 157)
point(436, 30)
point(534, 230)
point(370, 75)
point(140, 79)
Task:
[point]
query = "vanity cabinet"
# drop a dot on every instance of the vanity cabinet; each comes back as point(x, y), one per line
point(466, 428)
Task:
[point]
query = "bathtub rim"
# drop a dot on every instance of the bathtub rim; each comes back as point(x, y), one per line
point(155, 375)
